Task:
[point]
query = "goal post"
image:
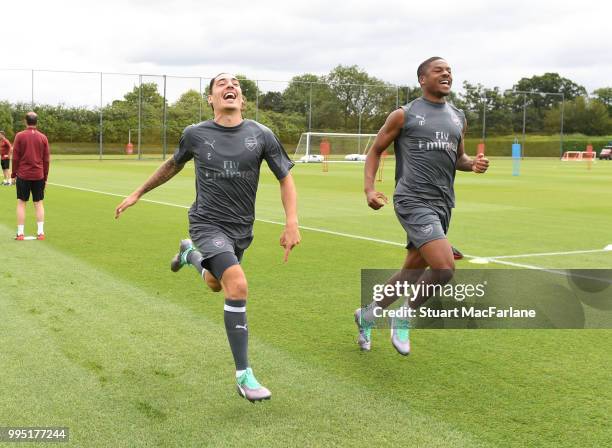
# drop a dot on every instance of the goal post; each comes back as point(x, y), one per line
point(333, 146)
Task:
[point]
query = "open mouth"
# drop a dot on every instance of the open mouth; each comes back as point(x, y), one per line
point(445, 82)
point(229, 96)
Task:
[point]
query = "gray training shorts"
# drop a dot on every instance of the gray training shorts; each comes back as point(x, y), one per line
point(211, 241)
point(423, 222)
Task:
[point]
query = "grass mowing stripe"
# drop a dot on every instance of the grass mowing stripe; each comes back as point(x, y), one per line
point(501, 386)
point(121, 367)
point(267, 221)
point(330, 232)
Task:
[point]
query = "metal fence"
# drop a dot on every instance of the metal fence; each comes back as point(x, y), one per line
point(138, 116)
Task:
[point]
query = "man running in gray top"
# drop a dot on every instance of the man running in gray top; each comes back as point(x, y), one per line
point(227, 153)
point(428, 134)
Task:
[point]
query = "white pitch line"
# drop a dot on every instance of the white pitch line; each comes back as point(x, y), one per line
point(332, 232)
point(313, 229)
point(89, 190)
point(510, 263)
point(170, 204)
point(545, 254)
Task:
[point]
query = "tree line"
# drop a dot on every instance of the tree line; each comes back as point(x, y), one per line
point(347, 99)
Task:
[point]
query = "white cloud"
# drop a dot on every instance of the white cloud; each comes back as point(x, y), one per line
point(487, 42)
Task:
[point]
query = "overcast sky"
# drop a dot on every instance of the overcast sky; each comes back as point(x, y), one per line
point(493, 43)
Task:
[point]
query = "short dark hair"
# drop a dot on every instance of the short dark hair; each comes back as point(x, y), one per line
point(212, 82)
point(31, 118)
point(425, 65)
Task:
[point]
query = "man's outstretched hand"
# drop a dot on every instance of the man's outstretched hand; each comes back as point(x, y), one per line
point(127, 202)
point(289, 239)
point(376, 199)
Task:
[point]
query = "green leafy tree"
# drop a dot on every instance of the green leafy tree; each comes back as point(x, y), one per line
point(362, 98)
point(124, 114)
point(604, 95)
point(248, 87)
point(498, 114)
point(536, 104)
point(342, 100)
point(308, 97)
point(6, 120)
point(408, 94)
point(296, 97)
point(581, 115)
point(287, 126)
point(551, 82)
point(272, 101)
point(190, 108)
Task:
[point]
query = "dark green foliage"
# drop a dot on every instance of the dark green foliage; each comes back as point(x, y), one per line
point(347, 99)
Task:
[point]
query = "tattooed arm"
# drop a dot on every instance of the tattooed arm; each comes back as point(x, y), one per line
point(163, 174)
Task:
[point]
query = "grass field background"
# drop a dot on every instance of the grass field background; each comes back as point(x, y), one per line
point(98, 335)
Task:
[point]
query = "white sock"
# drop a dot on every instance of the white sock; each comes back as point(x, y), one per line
point(239, 373)
point(20, 230)
point(40, 227)
point(368, 313)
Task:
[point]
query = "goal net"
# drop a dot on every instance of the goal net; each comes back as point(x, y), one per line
point(578, 156)
point(313, 146)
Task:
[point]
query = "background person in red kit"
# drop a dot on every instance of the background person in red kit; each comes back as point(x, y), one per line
point(5, 157)
point(30, 169)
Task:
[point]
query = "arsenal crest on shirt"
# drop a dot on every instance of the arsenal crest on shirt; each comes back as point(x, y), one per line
point(250, 143)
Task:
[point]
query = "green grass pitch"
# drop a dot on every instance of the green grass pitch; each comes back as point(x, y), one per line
point(98, 335)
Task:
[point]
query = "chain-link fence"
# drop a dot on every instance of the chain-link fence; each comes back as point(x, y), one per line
point(139, 116)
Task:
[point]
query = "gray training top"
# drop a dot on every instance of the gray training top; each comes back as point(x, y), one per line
point(227, 163)
point(426, 153)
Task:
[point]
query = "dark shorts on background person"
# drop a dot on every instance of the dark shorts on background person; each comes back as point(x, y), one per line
point(25, 187)
point(5, 164)
point(219, 251)
point(423, 222)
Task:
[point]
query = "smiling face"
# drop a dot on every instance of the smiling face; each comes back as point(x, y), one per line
point(437, 79)
point(225, 93)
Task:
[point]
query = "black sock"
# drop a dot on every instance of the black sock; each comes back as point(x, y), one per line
point(195, 259)
point(237, 333)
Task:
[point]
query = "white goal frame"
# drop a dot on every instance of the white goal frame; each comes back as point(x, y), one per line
point(308, 136)
point(580, 156)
